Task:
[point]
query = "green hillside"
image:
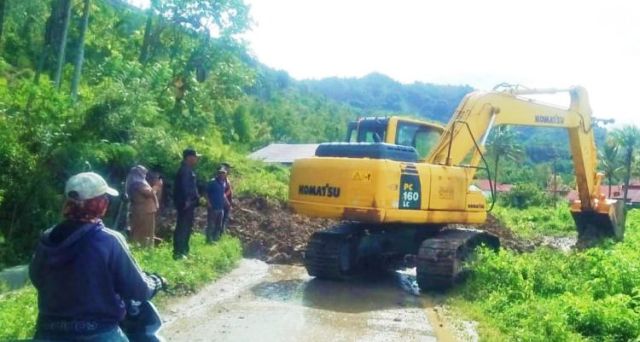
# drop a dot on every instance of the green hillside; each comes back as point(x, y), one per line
point(102, 85)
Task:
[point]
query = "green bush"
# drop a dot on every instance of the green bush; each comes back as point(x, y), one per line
point(537, 221)
point(548, 295)
point(18, 309)
point(523, 196)
point(270, 181)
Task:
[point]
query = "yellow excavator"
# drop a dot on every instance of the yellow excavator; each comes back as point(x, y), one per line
point(398, 184)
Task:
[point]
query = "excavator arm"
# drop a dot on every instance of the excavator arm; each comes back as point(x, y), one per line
point(479, 112)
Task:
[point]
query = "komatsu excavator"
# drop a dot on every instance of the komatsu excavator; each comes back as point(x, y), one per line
point(398, 184)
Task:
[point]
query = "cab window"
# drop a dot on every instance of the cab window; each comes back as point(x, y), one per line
point(371, 131)
point(422, 138)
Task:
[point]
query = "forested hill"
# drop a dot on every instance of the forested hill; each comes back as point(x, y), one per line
point(378, 93)
point(373, 94)
point(101, 85)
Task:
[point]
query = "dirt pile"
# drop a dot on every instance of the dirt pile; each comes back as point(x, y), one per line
point(268, 229)
point(507, 238)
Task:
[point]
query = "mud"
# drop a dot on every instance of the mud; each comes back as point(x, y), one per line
point(272, 232)
point(260, 302)
point(507, 238)
point(269, 229)
point(562, 243)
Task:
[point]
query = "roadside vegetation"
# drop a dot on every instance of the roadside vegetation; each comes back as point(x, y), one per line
point(102, 85)
point(550, 295)
point(18, 309)
point(537, 222)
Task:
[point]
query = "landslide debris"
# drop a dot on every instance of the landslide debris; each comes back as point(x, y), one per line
point(270, 231)
point(507, 237)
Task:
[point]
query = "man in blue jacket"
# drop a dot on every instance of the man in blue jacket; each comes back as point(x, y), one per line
point(185, 198)
point(217, 202)
point(84, 271)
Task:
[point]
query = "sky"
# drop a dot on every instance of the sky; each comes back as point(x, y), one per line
point(537, 43)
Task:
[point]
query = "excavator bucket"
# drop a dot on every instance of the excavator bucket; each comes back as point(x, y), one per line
point(594, 226)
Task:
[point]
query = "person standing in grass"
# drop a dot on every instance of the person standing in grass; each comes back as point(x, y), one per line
point(156, 181)
point(186, 200)
point(84, 272)
point(143, 207)
point(216, 204)
point(228, 193)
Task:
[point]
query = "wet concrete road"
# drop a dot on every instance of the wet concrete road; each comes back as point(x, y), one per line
point(260, 302)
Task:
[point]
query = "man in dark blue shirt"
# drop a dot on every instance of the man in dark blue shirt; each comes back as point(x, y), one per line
point(186, 200)
point(217, 202)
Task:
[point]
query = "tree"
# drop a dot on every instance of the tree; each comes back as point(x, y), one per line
point(242, 124)
point(503, 146)
point(610, 163)
point(66, 8)
point(146, 40)
point(55, 37)
point(3, 6)
point(627, 137)
point(77, 70)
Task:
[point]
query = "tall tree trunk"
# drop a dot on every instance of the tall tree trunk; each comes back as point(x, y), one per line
point(63, 42)
point(627, 177)
point(3, 6)
point(610, 178)
point(144, 50)
point(46, 46)
point(77, 70)
point(41, 62)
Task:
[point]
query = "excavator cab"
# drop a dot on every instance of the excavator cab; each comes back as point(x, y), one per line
point(421, 135)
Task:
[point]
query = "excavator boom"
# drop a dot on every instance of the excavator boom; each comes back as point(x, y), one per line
point(479, 112)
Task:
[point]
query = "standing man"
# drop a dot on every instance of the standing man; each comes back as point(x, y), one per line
point(227, 193)
point(186, 200)
point(216, 204)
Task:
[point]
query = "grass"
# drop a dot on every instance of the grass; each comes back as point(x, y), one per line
point(205, 263)
point(535, 222)
point(18, 309)
point(256, 179)
point(547, 295)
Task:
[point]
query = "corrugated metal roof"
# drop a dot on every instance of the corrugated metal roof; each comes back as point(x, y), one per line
point(483, 184)
point(284, 153)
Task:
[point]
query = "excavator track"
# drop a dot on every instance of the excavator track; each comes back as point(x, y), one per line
point(440, 261)
point(331, 254)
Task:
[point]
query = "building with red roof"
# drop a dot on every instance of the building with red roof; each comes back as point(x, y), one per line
point(617, 192)
point(484, 185)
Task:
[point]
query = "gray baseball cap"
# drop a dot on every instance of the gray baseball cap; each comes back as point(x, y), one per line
point(88, 185)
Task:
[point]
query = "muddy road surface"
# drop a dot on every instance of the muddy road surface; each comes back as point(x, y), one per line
point(261, 302)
